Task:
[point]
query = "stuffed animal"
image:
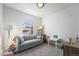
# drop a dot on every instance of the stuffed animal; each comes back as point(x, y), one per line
point(12, 48)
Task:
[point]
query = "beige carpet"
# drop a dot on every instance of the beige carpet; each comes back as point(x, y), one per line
point(41, 50)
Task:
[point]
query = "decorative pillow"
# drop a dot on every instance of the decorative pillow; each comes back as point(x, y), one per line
point(22, 39)
point(33, 37)
point(38, 37)
point(26, 38)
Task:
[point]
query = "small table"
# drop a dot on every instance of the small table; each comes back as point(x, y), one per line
point(54, 41)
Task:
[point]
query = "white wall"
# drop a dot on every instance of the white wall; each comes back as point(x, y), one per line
point(1, 27)
point(13, 17)
point(77, 17)
point(63, 23)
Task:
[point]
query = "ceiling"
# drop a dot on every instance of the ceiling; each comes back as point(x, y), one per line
point(32, 9)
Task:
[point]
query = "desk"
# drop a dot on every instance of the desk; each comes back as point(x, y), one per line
point(52, 41)
point(71, 49)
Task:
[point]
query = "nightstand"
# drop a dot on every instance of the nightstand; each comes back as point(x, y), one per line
point(44, 38)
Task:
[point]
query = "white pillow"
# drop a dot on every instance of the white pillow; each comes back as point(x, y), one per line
point(22, 39)
point(38, 37)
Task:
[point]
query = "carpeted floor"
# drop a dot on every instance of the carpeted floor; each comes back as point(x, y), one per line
point(41, 50)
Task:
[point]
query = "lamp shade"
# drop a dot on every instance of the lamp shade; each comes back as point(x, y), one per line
point(40, 5)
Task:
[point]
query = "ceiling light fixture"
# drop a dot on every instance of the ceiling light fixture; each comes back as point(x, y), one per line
point(40, 5)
